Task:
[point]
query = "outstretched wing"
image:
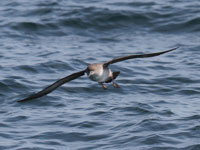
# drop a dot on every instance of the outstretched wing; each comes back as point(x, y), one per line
point(136, 56)
point(53, 86)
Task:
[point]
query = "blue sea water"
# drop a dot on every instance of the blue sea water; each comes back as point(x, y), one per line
point(158, 103)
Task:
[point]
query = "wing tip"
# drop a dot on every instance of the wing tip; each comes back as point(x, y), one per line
point(174, 48)
point(20, 101)
point(23, 100)
point(166, 51)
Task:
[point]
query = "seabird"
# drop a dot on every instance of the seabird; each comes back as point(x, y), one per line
point(98, 72)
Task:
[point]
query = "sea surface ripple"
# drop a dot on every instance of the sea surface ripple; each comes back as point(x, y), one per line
point(158, 104)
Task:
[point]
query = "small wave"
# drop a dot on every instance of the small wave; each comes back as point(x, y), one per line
point(27, 68)
point(84, 18)
point(135, 110)
point(4, 87)
point(31, 26)
point(39, 28)
point(196, 128)
point(97, 113)
point(158, 139)
point(189, 92)
point(191, 25)
point(45, 67)
point(86, 124)
point(70, 136)
point(47, 4)
point(39, 11)
point(134, 4)
point(193, 117)
point(155, 125)
point(192, 147)
point(102, 18)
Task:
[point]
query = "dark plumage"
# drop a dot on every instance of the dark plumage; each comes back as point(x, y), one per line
point(96, 72)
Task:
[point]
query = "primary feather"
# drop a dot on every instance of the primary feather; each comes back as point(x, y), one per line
point(54, 86)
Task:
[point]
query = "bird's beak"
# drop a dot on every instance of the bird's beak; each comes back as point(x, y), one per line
point(90, 73)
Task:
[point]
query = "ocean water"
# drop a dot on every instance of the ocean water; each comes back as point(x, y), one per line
point(158, 103)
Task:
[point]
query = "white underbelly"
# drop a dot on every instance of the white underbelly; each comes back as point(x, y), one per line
point(102, 77)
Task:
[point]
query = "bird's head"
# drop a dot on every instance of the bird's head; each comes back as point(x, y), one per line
point(92, 69)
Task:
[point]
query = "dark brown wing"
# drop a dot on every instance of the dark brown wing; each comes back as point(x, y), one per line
point(53, 86)
point(136, 56)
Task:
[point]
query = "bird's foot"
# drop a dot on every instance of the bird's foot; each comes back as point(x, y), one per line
point(116, 85)
point(103, 86)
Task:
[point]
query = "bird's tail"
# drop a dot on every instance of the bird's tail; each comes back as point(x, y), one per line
point(115, 74)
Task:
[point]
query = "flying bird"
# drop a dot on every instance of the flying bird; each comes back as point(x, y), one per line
point(98, 72)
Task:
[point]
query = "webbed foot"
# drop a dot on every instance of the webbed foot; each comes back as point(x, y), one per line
point(116, 85)
point(103, 86)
